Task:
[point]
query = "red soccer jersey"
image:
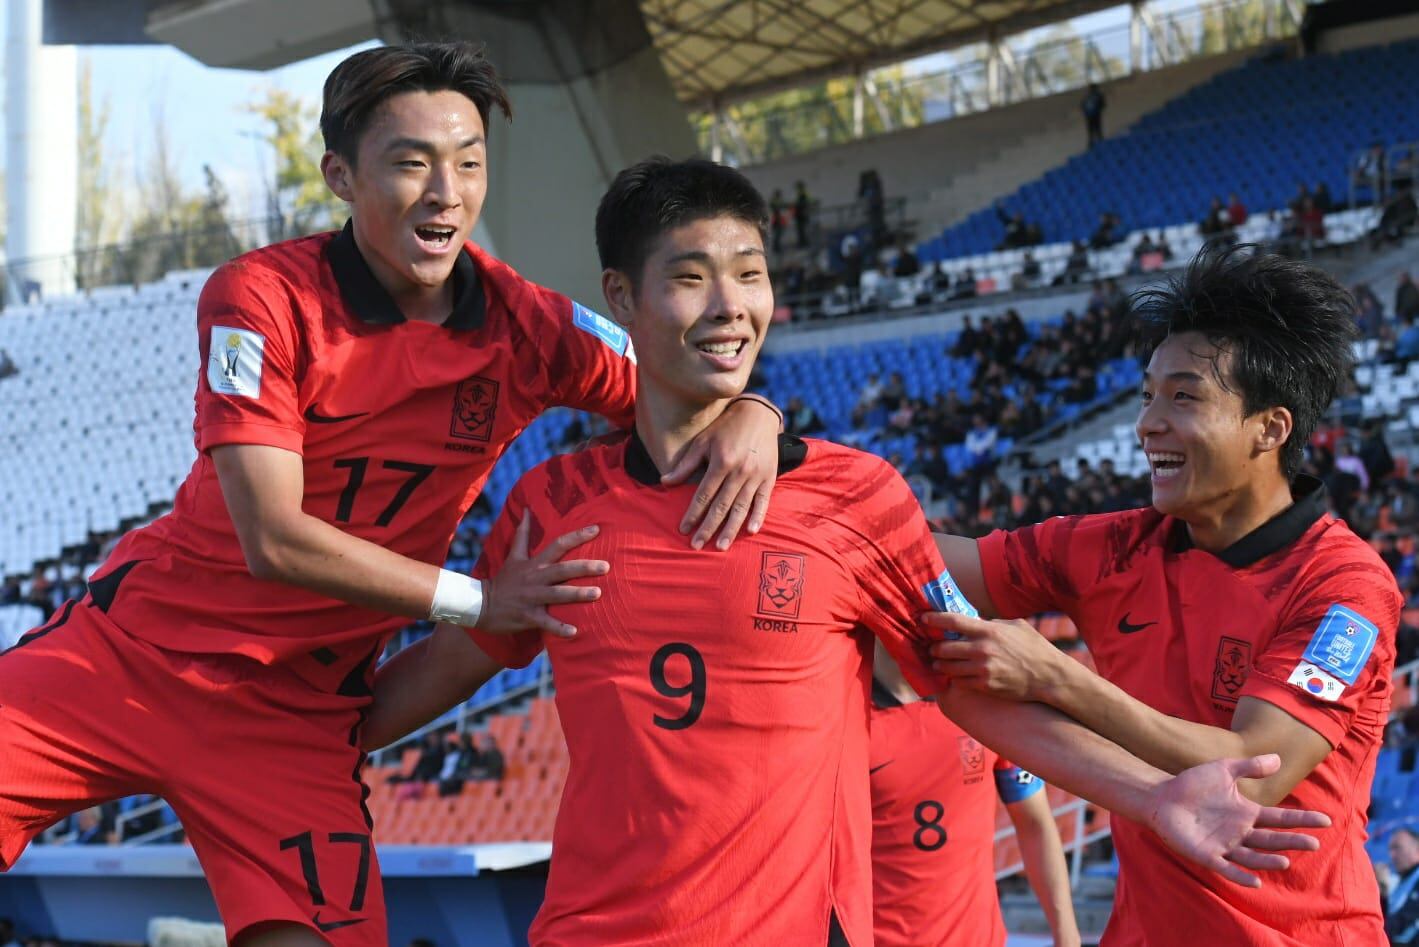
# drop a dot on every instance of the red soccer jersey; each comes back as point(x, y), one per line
point(1301, 614)
point(398, 424)
point(715, 703)
point(934, 791)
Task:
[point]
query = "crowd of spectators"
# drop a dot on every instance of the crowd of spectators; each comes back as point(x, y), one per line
point(448, 761)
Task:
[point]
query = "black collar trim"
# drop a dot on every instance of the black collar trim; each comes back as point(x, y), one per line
point(792, 452)
point(371, 302)
point(1275, 534)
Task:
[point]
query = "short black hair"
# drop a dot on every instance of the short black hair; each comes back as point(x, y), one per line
point(1289, 326)
point(656, 195)
point(362, 82)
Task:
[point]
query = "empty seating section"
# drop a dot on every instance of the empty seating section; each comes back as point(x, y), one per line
point(97, 425)
point(1258, 130)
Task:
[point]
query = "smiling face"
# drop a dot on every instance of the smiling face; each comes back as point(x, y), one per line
point(699, 313)
point(1204, 452)
point(415, 188)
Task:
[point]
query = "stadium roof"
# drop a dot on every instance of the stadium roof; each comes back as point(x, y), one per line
point(729, 49)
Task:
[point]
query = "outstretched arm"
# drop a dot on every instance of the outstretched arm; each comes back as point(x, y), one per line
point(1012, 660)
point(1043, 854)
point(1200, 813)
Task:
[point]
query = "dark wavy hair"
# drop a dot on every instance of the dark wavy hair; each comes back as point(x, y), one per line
point(1289, 327)
point(362, 82)
point(656, 195)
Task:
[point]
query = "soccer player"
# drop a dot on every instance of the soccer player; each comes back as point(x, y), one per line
point(715, 706)
point(356, 389)
point(1234, 616)
point(933, 828)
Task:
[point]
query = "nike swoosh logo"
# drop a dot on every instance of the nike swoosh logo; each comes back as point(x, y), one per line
point(315, 417)
point(1125, 627)
point(876, 768)
point(328, 926)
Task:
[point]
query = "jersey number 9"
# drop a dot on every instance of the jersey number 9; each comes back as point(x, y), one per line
point(693, 689)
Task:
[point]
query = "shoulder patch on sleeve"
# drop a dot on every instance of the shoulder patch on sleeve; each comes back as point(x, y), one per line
point(234, 362)
point(1342, 644)
point(611, 335)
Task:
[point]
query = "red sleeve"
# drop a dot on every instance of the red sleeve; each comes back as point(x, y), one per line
point(518, 650)
point(896, 557)
point(1333, 656)
point(589, 360)
point(1028, 570)
point(251, 355)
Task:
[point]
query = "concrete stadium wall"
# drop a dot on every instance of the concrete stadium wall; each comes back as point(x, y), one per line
point(1375, 33)
point(952, 168)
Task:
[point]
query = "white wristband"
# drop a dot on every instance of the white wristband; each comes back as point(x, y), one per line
point(458, 599)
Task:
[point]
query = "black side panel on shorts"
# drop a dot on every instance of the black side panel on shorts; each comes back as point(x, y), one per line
point(104, 590)
point(836, 937)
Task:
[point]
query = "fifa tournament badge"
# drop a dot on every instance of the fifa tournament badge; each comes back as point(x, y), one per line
point(944, 596)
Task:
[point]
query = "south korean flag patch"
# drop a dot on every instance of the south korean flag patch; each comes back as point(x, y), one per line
point(1337, 653)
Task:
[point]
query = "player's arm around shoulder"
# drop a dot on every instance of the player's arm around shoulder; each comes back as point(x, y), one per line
point(424, 680)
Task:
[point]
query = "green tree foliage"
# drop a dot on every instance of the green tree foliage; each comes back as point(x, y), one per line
point(296, 191)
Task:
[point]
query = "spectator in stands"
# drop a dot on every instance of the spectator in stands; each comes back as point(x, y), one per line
point(1397, 219)
point(894, 392)
point(1369, 314)
point(1015, 228)
point(940, 279)
point(1375, 453)
point(1402, 914)
point(1107, 233)
point(1406, 297)
point(965, 285)
point(1323, 201)
point(1309, 226)
point(802, 211)
point(1407, 348)
point(429, 764)
point(1076, 267)
point(907, 263)
point(1297, 202)
point(92, 827)
point(491, 765)
point(457, 766)
point(1236, 211)
point(1370, 170)
point(967, 341)
point(1216, 227)
point(7, 933)
point(852, 256)
point(1093, 106)
point(1029, 274)
point(870, 394)
point(778, 219)
point(1347, 462)
point(870, 193)
point(980, 442)
point(7, 365)
point(801, 419)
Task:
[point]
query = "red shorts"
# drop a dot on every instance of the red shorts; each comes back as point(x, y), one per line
point(262, 768)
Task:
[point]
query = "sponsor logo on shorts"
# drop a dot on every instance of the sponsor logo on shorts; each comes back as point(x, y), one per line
point(475, 405)
point(1231, 670)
